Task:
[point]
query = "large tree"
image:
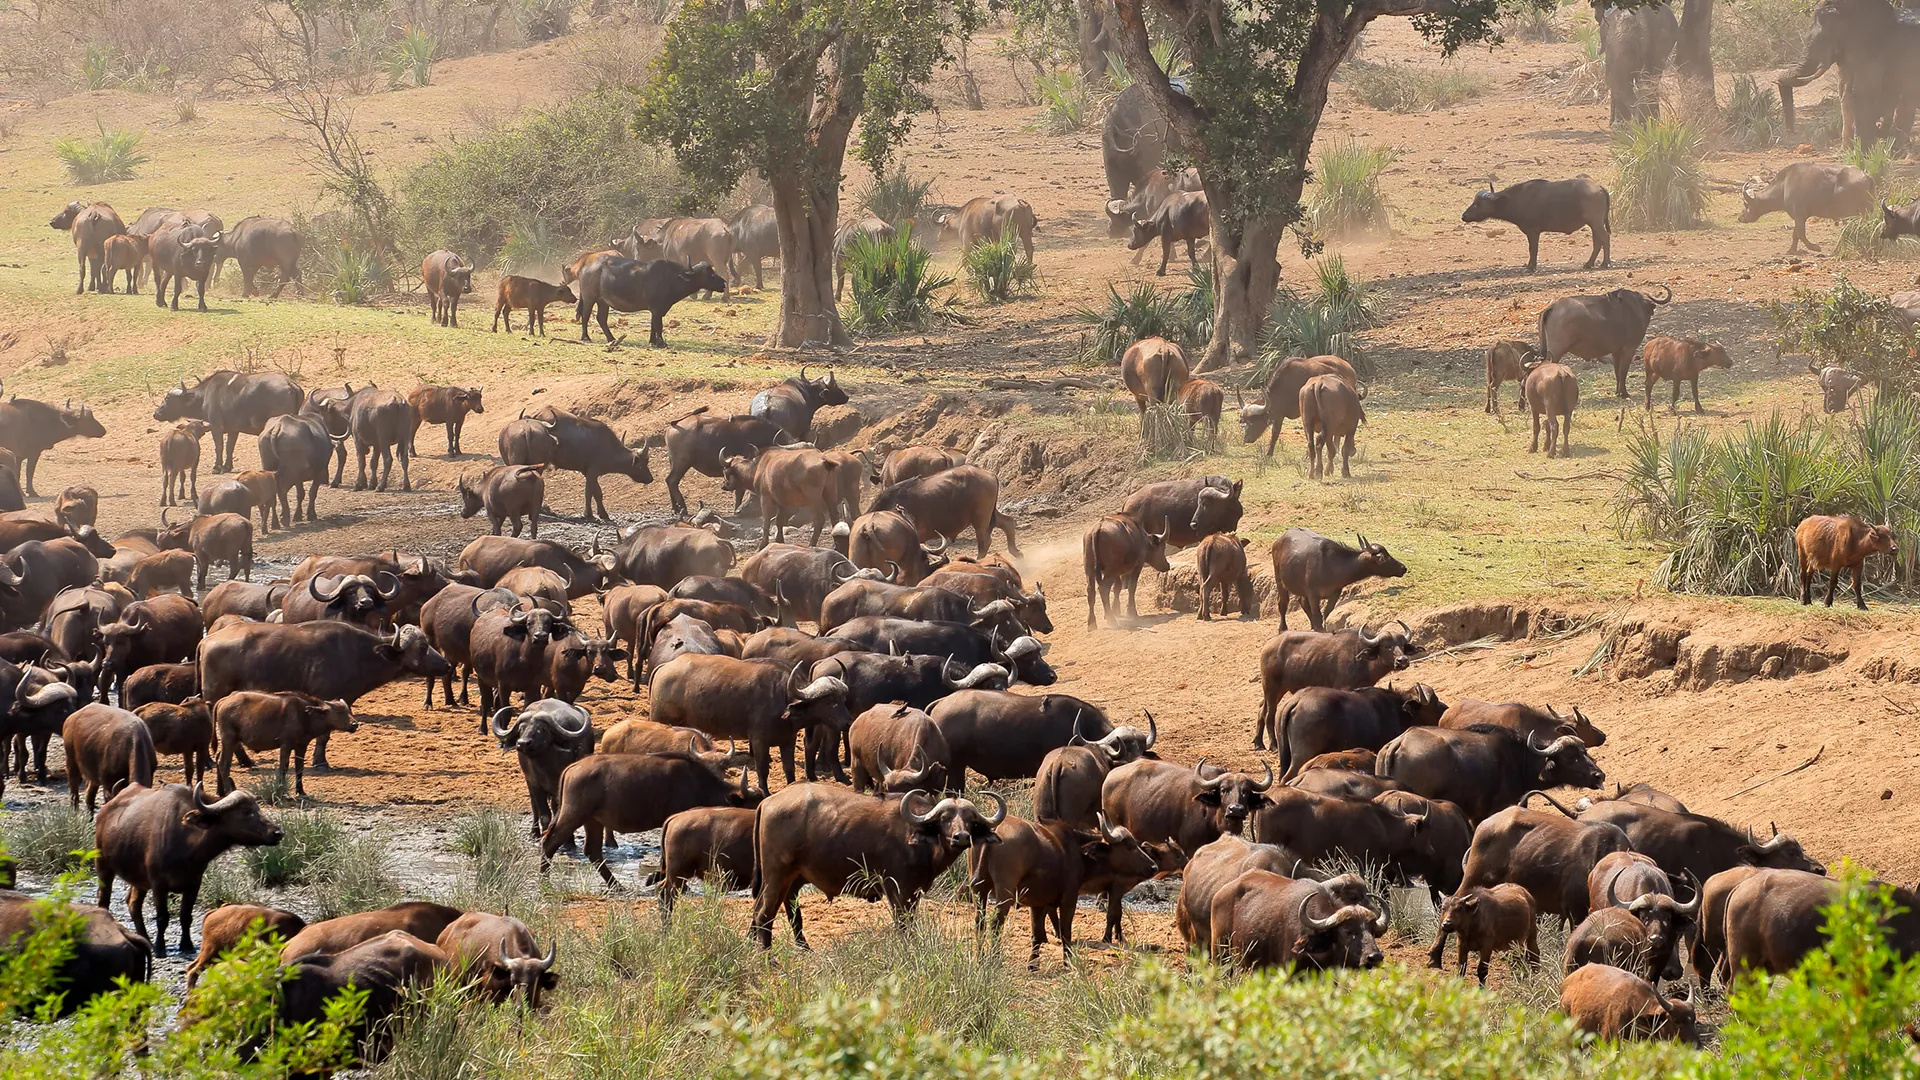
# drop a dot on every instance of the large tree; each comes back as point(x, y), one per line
point(777, 87)
point(1256, 86)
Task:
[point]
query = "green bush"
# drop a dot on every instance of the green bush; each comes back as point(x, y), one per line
point(469, 197)
point(1752, 114)
point(1064, 102)
point(995, 269)
point(1196, 306)
point(356, 278)
point(114, 155)
point(893, 285)
point(1853, 328)
point(412, 58)
point(500, 864)
point(1142, 313)
point(1731, 504)
point(1410, 88)
point(1876, 160)
point(1346, 198)
point(897, 198)
point(1318, 323)
point(1660, 184)
point(48, 838)
point(311, 836)
point(356, 875)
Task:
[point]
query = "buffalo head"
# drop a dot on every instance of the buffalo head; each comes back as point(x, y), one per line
point(236, 818)
point(822, 701)
point(1027, 656)
point(702, 278)
point(1388, 650)
point(824, 390)
point(1780, 851)
point(471, 497)
point(1123, 744)
point(1115, 851)
point(982, 677)
point(1375, 561)
point(505, 975)
point(459, 277)
point(539, 726)
point(64, 219)
point(1236, 796)
point(408, 647)
point(181, 403)
point(469, 397)
point(1837, 385)
point(956, 823)
point(1486, 204)
point(1346, 936)
point(1578, 726)
point(1565, 762)
point(892, 780)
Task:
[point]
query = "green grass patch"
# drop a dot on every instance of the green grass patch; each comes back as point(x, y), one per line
point(1347, 200)
point(1660, 185)
point(109, 156)
point(48, 838)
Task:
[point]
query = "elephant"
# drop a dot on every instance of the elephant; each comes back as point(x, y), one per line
point(1877, 49)
point(1636, 43)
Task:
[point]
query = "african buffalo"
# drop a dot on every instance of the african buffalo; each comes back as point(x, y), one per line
point(1281, 399)
point(791, 405)
point(1344, 659)
point(1550, 206)
point(1318, 569)
point(232, 403)
point(610, 281)
point(1186, 511)
point(1484, 768)
point(1609, 325)
point(161, 840)
point(1317, 720)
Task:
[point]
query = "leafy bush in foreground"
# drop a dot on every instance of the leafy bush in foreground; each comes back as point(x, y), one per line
point(114, 155)
point(893, 285)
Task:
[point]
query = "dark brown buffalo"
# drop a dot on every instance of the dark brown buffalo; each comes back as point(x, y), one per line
point(1548, 854)
point(1699, 845)
point(363, 600)
point(1281, 400)
point(547, 736)
point(786, 482)
point(1221, 563)
point(896, 748)
point(1809, 189)
point(1184, 216)
point(185, 729)
point(914, 462)
point(1113, 552)
point(507, 649)
point(1318, 569)
point(180, 462)
point(382, 423)
point(229, 924)
point(490, 558)
point(508, 493)
point(1615, 1004)
point(748, 699)
point(1160, 801)
point(391, 969)
point(625, 793)
point(1681, 360)
point(73, 620)
point(232, 404)
point(948, 503)
point(583, 445)
point(214, 538)
point(1068, 783)
point(1775, 917)
point(706, 843)
point(663, 554)
point(622, 284)
point(1632, 882)
point(876, 679)
point(448, 406)
point(1439, 851)
point(984, 585)
point(30, 428)
point(1321, 828)
point(1186, 511)
point(263, 243)
point(296, 448)
point(1002, 735)
point(1525, 721)
point(40, 705)
point(800, 578)
point(498, 956)
point(574, 660)
point(421, 578)
point(106, 747)
point(420, 918)
point(700, 443)
point(1552, 391)
point(1487, 921)
point(1322, 719)
point(622, 608)
point(161, 630)
point(446, 278)
point(874, 848)
point(90, 225)
point(1262, 919)
point(181, 254)
point(889, 540)
point(169, 683)
point(1484, 768)
point(1331, 414)
point(287, 721)
point(788, 646)
point(1607, 326)
point(327, 659)
point(791, 405)
point(928, 603)
point(1344, 660)
point(1212, 867)
point(102, 951)
point(1343, 783)
point(1024, 657)
point(1043, 866)
point(161, 840)
point(1550, 206)
point(1896, 223)
point(244, 598)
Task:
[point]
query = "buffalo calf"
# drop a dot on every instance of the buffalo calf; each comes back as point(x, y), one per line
point(106, 747)
point(1114, 551)
point(531, 294)
point(1837, 543)
point(1222, 563)
point(1681, 360)
point(288, 720)
point(1551, 391)
point(1487, 920)
point(1616, 1004)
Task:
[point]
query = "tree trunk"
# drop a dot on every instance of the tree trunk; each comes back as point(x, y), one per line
point(1693, 55)
point(806, 219)
point(1246, 274)
point(1095, 39)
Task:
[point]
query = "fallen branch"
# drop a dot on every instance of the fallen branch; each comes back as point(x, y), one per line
point(1807, 764)
point(1065, 382)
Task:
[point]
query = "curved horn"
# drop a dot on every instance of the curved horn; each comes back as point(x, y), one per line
point(1268, 782)
point(937, 550)
point(1406, 630)
point(1562, 743)
point(1153, 730)
point(553, 953)
point(1367, 638)
point(498, 728)
point(313, 589)
point(1000, 805)
point(1691, 909)
point(1309, 921)
point(1662, 300)
point(1613, 897)
point(387, 594)
point(1106, 829)
point(575, 730)
point(1385, 916)
point(1775, 842)
point(922, 819)
point(898, 573)
point(164, 511)
point(1205, 783)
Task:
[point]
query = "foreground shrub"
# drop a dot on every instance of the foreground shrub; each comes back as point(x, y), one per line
point(1122, 320)
point(112, 155)
point(311, 835)
point(1410, 88)
point(1347, 199)
point(1196, 307)
point(893, 285)
point(1853, 328)
point(1320, 322)
point(1660, 185)
point(1752, 115)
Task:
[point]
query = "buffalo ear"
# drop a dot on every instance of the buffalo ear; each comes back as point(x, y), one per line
point(387, 651)
point(616, 654)
point(1211, 797)
point(197, 819)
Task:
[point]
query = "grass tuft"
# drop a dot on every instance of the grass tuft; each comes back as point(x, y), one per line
point(357, 875)
point(311, 837)
point(1142, 313)
point(1319, 323)
point(995, 270)
point(501, 867)
point(1064, 102)
point(897, 198)
point(1347, 200)
point(48, 838)
point(892, 284)
point(113, 155)
point(1660, 183)
point(1752, 115)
